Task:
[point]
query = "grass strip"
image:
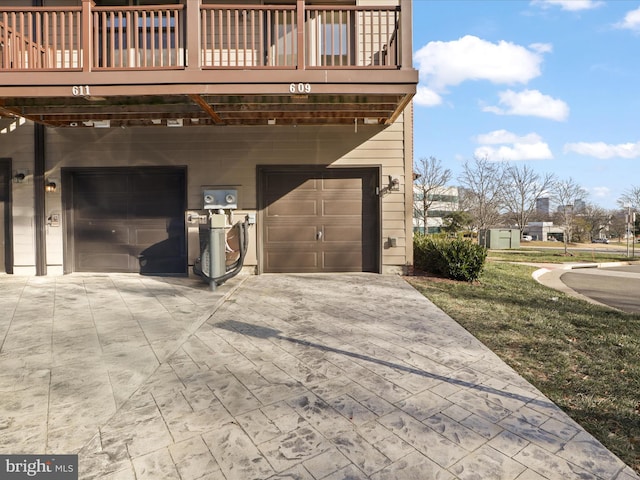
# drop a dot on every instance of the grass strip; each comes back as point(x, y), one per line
point(584, 357)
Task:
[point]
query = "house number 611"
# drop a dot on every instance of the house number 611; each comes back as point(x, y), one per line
point(299, 88)
point(80, 91)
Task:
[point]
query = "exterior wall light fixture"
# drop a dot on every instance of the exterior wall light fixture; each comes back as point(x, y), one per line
point(50, 186)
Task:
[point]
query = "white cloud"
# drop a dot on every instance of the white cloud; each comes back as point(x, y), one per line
point(426, 97)
point(541, 47)
point(604, 150)
point(530, 103)
point(631, 20)
point(569, 5)
point(511, 147)
point(444, 64)
point(601, 192)
point(498, 137)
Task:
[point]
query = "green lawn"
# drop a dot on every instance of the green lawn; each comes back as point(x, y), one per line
point(556, 256)
point(585, 358)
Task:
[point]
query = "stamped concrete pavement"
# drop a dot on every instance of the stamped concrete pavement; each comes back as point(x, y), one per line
point(273, 376)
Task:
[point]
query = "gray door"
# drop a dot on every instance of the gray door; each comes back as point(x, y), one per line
point(129, 220)
point(6, 261)
point(320, 220)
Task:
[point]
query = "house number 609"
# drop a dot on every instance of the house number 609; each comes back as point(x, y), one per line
point(80, 90)
point(300, 88)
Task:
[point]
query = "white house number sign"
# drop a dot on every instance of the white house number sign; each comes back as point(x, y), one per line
point(297, 88)
point(80, 91)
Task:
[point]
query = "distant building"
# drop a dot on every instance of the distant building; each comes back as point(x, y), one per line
point(578, 207)
point(445, 200)
point(544, 231)
point(543, 206)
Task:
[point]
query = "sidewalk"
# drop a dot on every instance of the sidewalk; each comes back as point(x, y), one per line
point(272, 376)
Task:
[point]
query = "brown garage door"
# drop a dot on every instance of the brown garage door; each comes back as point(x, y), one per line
point(320, 220)
point(128, 220)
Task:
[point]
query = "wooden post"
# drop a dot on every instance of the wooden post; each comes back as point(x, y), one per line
point(193, 45)
point(406, 42)
point(301, 27)
point(87, 36)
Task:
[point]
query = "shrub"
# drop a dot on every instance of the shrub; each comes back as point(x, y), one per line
point(458, 259)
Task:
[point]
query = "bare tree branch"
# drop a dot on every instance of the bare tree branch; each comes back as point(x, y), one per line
point(631, 197)
point(430, 178)
point(523, 187)
point(566, 193)
point(484, 188)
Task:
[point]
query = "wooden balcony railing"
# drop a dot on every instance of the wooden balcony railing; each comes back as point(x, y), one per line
point(138, 37)
point(40, 38)
point(248, 36)
point(91, 38)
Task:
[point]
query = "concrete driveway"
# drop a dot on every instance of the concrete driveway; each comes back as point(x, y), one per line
point(273, 376)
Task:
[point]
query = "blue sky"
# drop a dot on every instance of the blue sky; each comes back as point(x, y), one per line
point(554, 84)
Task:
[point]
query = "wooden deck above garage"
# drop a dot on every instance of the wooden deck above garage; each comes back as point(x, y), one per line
point(195, 63)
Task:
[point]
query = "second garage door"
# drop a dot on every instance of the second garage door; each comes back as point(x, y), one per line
point(320, 220)
point(128, 220)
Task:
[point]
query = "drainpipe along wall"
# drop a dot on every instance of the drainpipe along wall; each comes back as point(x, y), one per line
point(39, 200)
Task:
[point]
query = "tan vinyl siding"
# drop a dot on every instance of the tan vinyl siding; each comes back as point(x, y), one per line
point(16, 143)
point(228, 157)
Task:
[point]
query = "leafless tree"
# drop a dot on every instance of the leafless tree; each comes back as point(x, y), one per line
point(483, 182)
point(592, 221)
point(618, 223)
point(566, 193)
point(523, 187)
point(430, 178)
point(630, 197)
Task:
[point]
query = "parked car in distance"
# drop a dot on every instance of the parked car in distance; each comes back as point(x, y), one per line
point(526, 238)
point(600, 240)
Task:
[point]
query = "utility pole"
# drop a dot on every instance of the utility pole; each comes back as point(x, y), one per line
point(628, 219)
point(631, 231)
point(633, 235)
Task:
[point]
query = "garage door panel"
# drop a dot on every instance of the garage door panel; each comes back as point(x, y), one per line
point(288, 261)
point(291, 233)
point(148, 236)
point(342, 233)
point(152, 205)
point(345, 260)
point(101, 185)
point(281, 186)
point(295, 208)
point(105, 206)
point(102, 232)
point(342, 184)
point(117, 262)
point(342, 208)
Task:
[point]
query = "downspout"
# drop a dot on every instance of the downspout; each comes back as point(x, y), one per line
point(39, 200)
point(38, 186)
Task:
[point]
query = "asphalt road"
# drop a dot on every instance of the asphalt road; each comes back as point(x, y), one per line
point(618, 287)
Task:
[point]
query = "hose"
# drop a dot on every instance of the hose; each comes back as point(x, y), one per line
point(236, 267)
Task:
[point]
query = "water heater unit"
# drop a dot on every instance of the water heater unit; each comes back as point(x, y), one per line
point(220, 199)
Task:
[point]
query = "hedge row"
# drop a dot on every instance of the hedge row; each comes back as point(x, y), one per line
point(456, 258)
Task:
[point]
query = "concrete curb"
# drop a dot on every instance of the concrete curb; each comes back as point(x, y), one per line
point(550, 277)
